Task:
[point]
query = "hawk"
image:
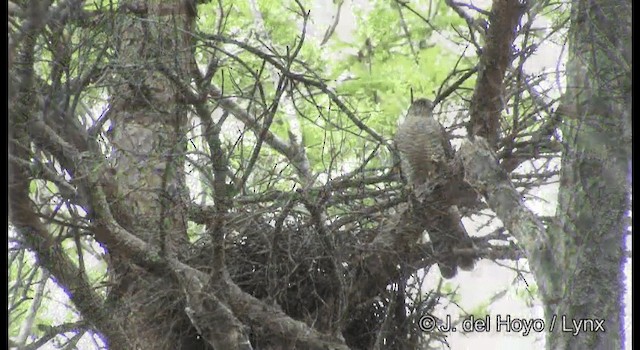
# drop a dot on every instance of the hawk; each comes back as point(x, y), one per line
point(423, 144)
point(425, 153)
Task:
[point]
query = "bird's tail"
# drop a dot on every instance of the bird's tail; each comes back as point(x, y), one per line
point(449, 242)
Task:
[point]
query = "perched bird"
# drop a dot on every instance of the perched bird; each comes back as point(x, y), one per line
point(425, 152)
point(423, 144)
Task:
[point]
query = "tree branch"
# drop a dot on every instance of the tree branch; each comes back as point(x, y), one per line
point(52, 256)
point(488, 98)
point(286, 99)
point(302, 78)
point(483, 172)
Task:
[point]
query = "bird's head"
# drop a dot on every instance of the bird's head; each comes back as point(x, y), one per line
point(421, 107)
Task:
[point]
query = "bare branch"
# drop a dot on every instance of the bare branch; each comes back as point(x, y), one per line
point(488, 99)
point(484, 173)
point(302, 78)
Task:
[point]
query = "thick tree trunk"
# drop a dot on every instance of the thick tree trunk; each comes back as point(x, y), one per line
point(148, 137)
point(595, 180)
